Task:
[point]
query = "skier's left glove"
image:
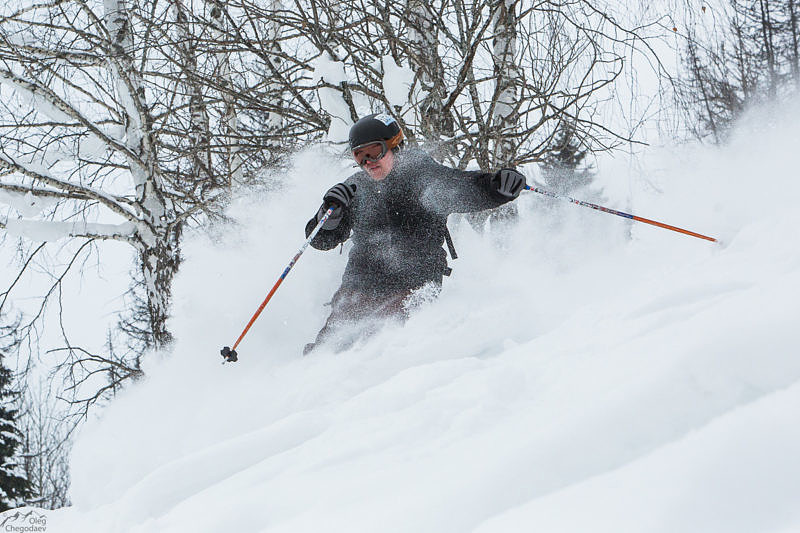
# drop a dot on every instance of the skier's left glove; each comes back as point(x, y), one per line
point(508, 182)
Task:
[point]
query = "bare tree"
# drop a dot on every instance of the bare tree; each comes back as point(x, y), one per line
point(478, 71)
point(104, 117)
point(230, 118)
point(201, 164)
point(748, 55)
point(46, 447)
point(792, 12)
point(423, 52)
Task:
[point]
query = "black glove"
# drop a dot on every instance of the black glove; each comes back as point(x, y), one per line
point(339, 197)
point(508, 182)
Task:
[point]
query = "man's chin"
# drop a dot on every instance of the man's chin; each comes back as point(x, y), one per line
point(375, 174)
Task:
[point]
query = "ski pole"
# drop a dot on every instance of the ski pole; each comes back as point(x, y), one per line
point(621, 214)
point(230, 354)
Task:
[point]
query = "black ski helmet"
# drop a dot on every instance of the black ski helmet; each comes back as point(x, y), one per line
point(379, 127)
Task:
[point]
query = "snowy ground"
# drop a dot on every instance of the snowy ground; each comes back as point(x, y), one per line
point(567, 379)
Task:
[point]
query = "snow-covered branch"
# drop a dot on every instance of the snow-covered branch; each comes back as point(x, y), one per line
point(41, 175)
point(49, 231)
point(25, 190)
point(53, 106)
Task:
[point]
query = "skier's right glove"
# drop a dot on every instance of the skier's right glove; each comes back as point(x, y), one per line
point(339, 197)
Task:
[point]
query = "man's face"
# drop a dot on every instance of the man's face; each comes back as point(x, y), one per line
point(366, 158)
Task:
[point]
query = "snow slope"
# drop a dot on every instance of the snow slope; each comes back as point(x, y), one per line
point(578, 373)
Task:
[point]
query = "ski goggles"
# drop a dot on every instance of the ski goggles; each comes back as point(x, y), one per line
point(369, 152)
point(376, 150)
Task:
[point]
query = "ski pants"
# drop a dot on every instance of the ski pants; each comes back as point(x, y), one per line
point(356, 315)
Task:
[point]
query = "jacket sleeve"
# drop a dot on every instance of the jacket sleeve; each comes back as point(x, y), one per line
point(448, 190)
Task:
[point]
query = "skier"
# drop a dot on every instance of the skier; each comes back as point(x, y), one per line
point(396, 210)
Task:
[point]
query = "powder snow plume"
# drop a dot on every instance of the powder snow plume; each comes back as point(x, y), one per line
point(577, 373)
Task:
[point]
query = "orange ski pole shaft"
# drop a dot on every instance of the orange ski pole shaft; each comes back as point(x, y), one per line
point(621, 214)
point(230, 354)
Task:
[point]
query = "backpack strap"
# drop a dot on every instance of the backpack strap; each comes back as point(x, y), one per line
point(449, 240)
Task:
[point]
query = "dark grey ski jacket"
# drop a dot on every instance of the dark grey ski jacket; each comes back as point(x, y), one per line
point(398, 224)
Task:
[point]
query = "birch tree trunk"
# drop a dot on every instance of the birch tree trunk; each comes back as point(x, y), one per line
point(792, 6)
point(201, 175)
point(230, 119)
point(156, 237)
point(275, 87)
point(505, 113)
point(504, 107)
point(423, 35)
point(767, 32)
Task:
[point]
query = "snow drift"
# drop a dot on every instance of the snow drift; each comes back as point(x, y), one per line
point(577, 373)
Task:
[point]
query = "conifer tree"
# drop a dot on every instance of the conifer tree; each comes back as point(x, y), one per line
point(563, 166)
point(14, 487)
